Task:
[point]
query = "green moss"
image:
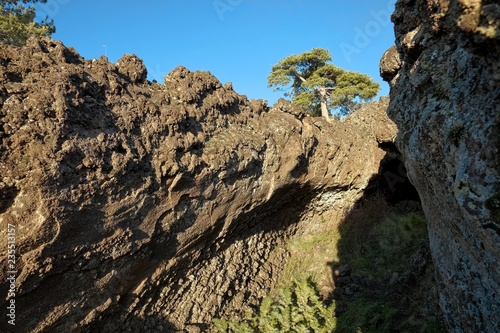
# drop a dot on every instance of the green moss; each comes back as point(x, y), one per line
point(386, 247)
point(368, 317)
point(310, 256)
point(376, 249)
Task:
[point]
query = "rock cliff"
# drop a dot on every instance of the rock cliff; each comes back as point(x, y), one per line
point(445, 97)
point(144, 207)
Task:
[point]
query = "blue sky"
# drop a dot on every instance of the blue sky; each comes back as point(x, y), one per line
point(236, 40)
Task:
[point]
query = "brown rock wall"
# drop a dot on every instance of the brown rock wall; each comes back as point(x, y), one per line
point(148, 207)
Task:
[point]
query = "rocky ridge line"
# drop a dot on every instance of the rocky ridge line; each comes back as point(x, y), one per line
point(147, 207)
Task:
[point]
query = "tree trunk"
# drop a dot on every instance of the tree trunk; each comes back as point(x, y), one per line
point(323, 100)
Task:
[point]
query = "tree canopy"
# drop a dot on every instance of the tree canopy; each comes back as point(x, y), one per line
point(17, 22)
point(319, 86)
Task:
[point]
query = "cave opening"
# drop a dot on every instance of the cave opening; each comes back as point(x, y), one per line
point(392, 181)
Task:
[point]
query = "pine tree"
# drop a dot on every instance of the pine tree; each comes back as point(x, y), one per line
point(17, 22)
point(319, 86)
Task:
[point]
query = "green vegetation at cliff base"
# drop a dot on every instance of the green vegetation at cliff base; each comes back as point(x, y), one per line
point(371, 274)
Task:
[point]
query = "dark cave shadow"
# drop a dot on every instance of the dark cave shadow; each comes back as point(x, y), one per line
point(368, 302)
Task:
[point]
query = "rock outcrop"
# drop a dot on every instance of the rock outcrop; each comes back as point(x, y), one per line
point(148, 208)
point(445, 100)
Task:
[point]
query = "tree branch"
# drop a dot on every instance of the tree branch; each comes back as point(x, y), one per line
point(299, 77)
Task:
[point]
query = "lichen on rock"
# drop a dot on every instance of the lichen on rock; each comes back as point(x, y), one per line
point(444, 100)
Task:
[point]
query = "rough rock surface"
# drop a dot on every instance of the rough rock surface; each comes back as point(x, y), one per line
point(147, 208)
point(445, 100)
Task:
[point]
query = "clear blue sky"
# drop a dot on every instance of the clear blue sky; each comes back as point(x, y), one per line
point(236, 40)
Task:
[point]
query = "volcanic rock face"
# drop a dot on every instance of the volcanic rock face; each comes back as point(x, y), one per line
point(146, 208)
point(445, 99)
